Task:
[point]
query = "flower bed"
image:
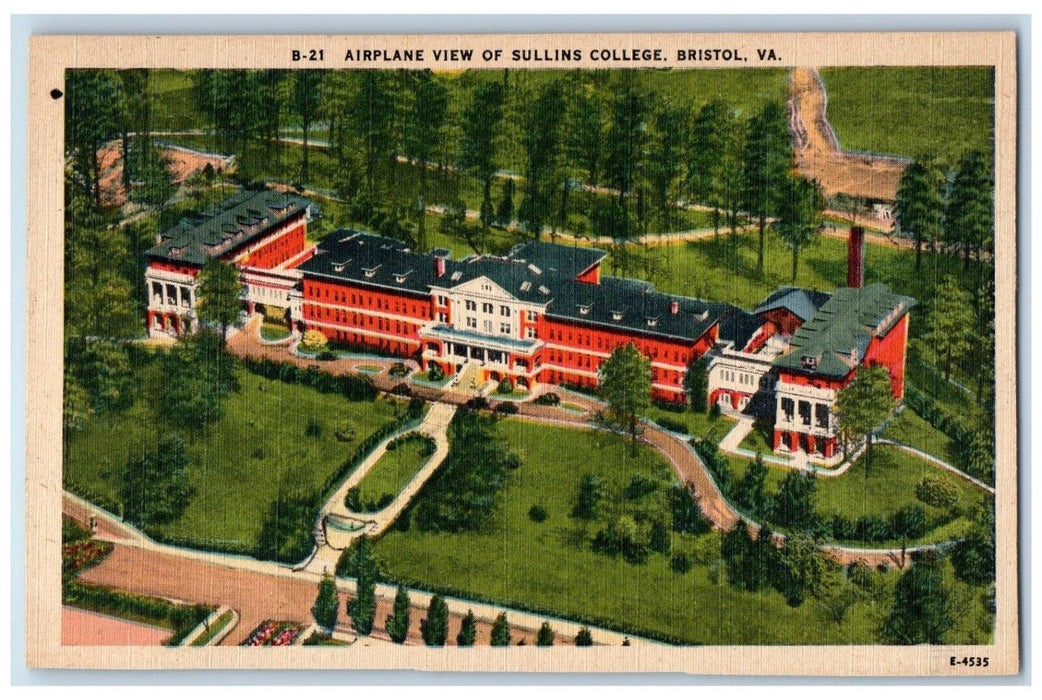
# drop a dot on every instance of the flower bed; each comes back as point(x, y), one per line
point(273, 633)
point(77, 556)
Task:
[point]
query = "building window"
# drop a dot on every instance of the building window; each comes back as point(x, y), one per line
point(805, 412)
point(821, 415)
point(472, 322)
point(530, 332)
point(443, 317)
point(788, 407)
point(486, 308)
point(504, 328)
point(504, 311)
point(488, 326)
point(472, 305)
point(530, 315)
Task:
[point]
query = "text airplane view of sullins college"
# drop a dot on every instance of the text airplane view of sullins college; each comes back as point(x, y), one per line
point(529, 357)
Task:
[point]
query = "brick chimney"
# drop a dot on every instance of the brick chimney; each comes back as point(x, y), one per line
point(856, 257)
point(674, 306)
point(439, 266)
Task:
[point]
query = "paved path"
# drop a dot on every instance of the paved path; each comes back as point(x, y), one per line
point(436, 426)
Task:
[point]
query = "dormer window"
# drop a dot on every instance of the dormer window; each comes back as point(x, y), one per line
point(584, 309)
point(400, 277)
point(616, 315)
point(534, 270)
point(810, 362)
point(525, 286)
point(543, 290)
point(702, 316)
point(652, 322)
point(339, 266)
point(370, 271)
point(456, 275)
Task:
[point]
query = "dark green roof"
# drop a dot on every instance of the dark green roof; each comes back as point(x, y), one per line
point(232, 224)
point(834, 340)
point(803, 303)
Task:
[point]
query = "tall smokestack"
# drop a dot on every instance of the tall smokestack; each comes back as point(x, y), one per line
point(856, 257)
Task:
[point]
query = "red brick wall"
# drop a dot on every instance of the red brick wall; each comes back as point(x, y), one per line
point(889, 351)
point(279, 249)
point(785, 321)
point(174, 267)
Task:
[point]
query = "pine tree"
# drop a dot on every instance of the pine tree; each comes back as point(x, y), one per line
point(363, 608)
point(327, 603)
point(696, 384)
point(799, 214)
point(219, 294)
point(920, 202)
point(501, 631)
point(971, 207)
point(468, 630)
point(435, 627)
point(751, 491)
point(546, 635)
point(768, 160)
point(398, 621)
point(949, 325)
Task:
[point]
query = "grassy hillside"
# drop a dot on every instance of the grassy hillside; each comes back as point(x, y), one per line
point(909, 111)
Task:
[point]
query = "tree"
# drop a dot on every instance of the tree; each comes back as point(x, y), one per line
point(219, 294)
point(921, 613)
point(806, 569)
point(971, 207)
point(155, 488)
point(974, 555)
point(751, 491)
point(793, 505)
point(398, 621)
point(104, 371)
point(584, 638)
point(696, 384)
point(468, 630)
point(710, 135)
point(306, 91)
point(542, 142)
point(370, 117)
point(92, 99)
point(327, 603)
point(624, 146)
point(799, 214)
point(920, 202)
point(76, 408)
point(949, 325)
point(863, 405)
point(480, 124)
point(545, 636)
point(363, 608)
point(748, 561)
point(666, 157)
point(501, 631)
point(625, 383)
point(768, 161)
point(435, 627)
point(424, 122)
point(100, 300)
point(205, 375)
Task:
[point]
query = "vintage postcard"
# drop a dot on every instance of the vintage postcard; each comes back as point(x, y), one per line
point(664, 352)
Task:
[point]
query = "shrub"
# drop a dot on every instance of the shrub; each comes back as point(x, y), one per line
point(548, 399)
point(313, 429)
point(584, 638)
point(398, 369)
point(434, 373)
point(537, 513)
point(545, 637)
point(639, 487)
point(326, 356)
point(506, 386)
point(346, 432)
point(507, 408)
point(940, 492)
point(313, 340)
point(478, 403)
point(680, 564)
point(402, 389)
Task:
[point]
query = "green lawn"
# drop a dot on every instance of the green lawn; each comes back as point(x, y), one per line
point(702, 425)
point(910, 111)
point(912, 430)
point(393, 470)
point(889, 486)
point(549, 566)
point(274, 331)
point(215, 629)
point(239, 466)
point(760, 439)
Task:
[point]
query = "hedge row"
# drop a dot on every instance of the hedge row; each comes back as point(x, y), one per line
point(181, 618)
point(673, 425)
point(951, 425)
point(595, 620)
point(351, 387)
point(222, 546)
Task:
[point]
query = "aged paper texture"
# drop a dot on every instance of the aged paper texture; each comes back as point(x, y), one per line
point(619, 352)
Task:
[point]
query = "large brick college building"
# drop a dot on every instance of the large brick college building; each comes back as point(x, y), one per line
point(541, 314)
